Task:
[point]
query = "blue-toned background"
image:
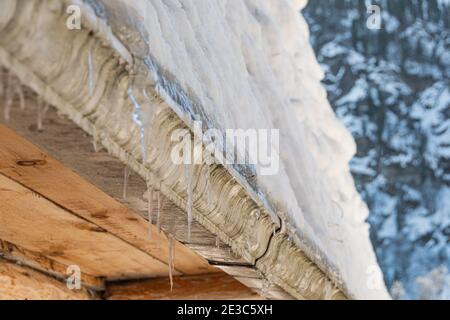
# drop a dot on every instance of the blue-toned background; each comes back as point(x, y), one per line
point(391, 88)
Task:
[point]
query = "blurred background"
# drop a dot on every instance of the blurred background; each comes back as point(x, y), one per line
point(390, 87)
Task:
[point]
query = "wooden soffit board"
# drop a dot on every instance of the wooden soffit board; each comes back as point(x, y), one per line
point(49, 212)
point(21, 283)
point(216, 286)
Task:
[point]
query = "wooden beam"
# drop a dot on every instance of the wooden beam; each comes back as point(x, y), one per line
point(21, 283)
point(71, 146)
point(24, 163)
point(199, 287)
point(33, 222)
point(44, 264)
point(66, 142)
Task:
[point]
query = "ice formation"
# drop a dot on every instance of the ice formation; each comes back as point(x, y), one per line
point(126, 176)
point(246, 64)
point(257, 70)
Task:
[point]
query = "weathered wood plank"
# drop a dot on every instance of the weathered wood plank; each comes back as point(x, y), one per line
point(205, 287)
point(63, 140)
point(67, 143)
point(26, 164)
point(44, 264)
point(34, 223)
point(21, 283)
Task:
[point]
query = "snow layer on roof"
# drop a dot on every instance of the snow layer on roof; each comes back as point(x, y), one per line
point(249, 64)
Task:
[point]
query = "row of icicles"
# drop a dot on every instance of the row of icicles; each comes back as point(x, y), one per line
point(151, 193)
point(12, 91)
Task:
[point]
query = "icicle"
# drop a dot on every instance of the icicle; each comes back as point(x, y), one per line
point(188, 176)
point(171, 261)
point(2, 86)
point(95, 139)
point(173, 255)
point(149, 208)
point(126, 175)
point(137, 95)
point(217, 242)
point(150, 203)
point(9, 98)
point(21, 97)
point(138, 121)
point(39, 114)
point(42, 108)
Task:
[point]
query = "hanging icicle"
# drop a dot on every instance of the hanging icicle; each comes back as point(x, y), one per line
point(149, 206)
point(2, 82)
point(95, 139)
point(144, 110)
point(21, 95)
point(137, 118)
point(217, 242)
point(42, 108)
point(39, 113)
point(9, 97)
point(126, 175)
point(171, 256)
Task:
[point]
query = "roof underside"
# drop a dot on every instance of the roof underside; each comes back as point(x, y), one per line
point(96, 77)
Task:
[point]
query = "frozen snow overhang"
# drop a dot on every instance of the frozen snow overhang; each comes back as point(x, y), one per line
point(129, 101)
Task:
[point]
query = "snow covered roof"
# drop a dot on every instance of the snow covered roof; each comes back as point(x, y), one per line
point(248, 64)
point(244, 65)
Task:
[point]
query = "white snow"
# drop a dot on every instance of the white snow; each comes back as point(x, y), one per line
point(248, 64)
